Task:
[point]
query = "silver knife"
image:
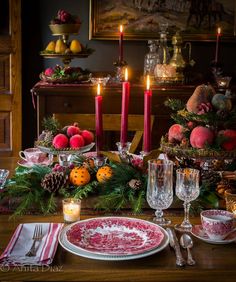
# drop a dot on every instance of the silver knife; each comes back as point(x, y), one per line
point(174, 243)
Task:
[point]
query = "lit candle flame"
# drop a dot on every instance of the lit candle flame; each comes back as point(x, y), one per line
point(121, 28)
point(148, 82)
point(98, 89)
point(218, 30)
point(126, 74)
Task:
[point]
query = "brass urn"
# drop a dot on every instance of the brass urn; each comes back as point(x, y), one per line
point(177, 60)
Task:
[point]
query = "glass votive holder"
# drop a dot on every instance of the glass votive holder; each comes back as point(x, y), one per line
point(230, 200)
point(223, 81)
point(71, 209)
point(3, 177)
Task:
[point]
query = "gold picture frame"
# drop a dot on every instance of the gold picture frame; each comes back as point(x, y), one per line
point(142, 18)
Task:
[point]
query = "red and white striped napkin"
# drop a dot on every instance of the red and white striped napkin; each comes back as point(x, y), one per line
point(21, 242)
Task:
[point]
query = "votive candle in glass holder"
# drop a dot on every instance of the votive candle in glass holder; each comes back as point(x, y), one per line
point(71, 209)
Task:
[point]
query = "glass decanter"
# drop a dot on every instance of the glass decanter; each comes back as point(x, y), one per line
point(163, 51)
point(151, 58)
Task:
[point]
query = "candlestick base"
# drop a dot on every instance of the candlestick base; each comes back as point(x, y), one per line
point(99, 161)
point(123, 150)
point(120, 71)
point(144, 154)
point(64, 159)
point(216, 69)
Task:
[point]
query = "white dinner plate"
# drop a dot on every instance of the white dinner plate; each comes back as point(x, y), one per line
point(98, 252)
point(199, 233)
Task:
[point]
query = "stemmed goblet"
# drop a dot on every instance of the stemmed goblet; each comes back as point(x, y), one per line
point(187, 190)
point(160, 188)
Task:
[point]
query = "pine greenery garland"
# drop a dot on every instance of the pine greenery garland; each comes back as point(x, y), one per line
point(116, 193)
point(26, 186)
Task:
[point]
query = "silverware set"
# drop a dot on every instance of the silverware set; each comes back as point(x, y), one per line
point(185, 242)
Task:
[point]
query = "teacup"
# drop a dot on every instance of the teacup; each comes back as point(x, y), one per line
point(33, 155)
point(217, 223)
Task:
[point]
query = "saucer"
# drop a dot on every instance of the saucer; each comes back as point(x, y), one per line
point(199, 233)
point(26, 164)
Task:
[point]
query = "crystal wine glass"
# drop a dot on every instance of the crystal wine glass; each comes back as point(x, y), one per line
point(160, 188)
point(187, 190)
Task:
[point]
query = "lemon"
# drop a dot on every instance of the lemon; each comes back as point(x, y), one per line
point(75, 46)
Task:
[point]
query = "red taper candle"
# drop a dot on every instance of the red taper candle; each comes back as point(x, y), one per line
point(217, 43)
point(121, 44)
point(147, 117)
point(124, 109)
point(99, 122)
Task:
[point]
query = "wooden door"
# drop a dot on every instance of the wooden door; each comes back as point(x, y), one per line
point(10, 77)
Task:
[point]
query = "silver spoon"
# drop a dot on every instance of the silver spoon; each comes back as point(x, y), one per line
point(187, 243)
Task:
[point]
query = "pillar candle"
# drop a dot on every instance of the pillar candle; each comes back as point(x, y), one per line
point(99, 123)
point(124, 109)
point(147, 117)
point(121, 44)
point(217, 43)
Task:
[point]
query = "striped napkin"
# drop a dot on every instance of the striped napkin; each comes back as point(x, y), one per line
point(21, 242)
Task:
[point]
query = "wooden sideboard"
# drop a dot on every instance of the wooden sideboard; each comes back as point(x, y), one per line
point(79, 98)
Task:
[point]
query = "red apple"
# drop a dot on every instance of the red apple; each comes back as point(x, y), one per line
point(176, 133)
point(72, 130)
point(201, 136)
point(229, 142)
point(76, 141)
point(88, 136)
point(60, 141)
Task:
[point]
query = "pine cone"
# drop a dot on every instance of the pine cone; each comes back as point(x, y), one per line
point(135, 184)
point(210, 176)
point(53, 181)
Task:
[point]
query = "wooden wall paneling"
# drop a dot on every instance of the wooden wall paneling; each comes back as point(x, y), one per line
point(10, 84)
point(5, 122)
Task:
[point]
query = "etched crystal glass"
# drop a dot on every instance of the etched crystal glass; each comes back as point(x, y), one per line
point(160, 187)
point(187, 190)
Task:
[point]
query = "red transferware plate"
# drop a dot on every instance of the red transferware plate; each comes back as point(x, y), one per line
point(119, 236)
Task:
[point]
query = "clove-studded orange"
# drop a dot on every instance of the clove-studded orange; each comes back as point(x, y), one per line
point(104, 173)
point(79, 176)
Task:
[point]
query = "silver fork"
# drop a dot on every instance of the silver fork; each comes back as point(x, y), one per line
point(37, 237)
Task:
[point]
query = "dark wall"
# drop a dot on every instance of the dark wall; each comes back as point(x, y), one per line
point(36, 16)
point(106, 52)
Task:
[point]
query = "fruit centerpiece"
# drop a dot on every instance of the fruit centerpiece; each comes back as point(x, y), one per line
point(204, 128)
point(63, 25)
point(204, 136)
point(59, 74)
point(70, 139)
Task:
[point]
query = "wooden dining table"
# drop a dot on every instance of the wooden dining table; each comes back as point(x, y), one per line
point(213, 262)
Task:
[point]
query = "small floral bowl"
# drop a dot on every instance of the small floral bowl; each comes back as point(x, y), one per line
point(217, 223)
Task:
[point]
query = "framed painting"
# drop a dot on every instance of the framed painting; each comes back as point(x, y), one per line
point(142, 19)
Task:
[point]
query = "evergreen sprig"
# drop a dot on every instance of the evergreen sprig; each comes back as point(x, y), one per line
point(51, 124)
point(116, 192)
point(174, 104)
point(81, 192)
point(26, 186)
